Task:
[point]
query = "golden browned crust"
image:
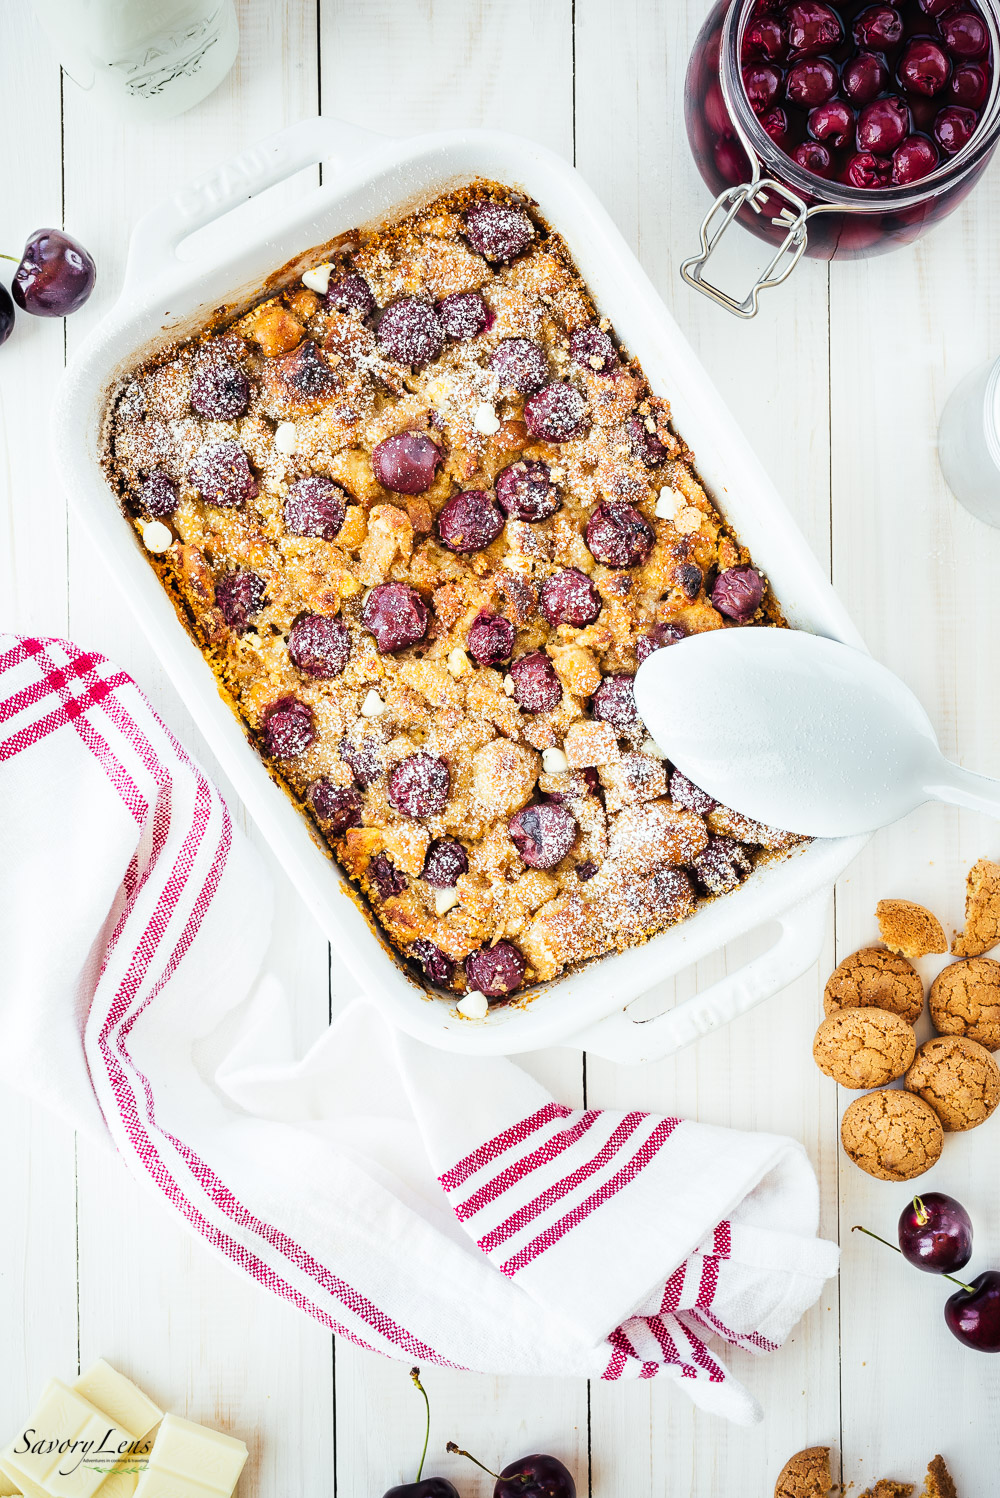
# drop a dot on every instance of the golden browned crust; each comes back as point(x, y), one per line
point(320, 381)
point(910, 929)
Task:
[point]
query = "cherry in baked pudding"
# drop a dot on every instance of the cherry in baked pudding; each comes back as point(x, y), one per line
point(525, 490)
point(469, 522)
point(220, 391)
point(618, 535)
point(350, 293)
point(419, 785)
point(544, 834)
point(444, 864)
point(499, 231)
point(319, 645)
point(537, 688)
point(440, 969)
point(315, 507)
point(220, 471)
point(159, 495)
point(614, 702)
point(496, 971)
point(410, 332)
point(645, 443)
point(388, 880)
point(556, 413)
point(658, 637)
point(464, 315)
point(491, 639)
point(396, 615)
point(593, 348)
point(240, 596)
point(738, 593)
point(520, 364)
point(288, 728)
point(337, 805)
point(569, 597)
point(406, 463)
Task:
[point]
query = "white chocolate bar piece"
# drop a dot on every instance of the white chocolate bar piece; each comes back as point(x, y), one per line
point(191, 1461)
point(67, 1446)
point(7, 1488)
point(108, 1390)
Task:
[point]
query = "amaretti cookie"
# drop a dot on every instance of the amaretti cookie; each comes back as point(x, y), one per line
point(805, 1475)
point(965, 1000)
point(863, 1048)
point(909, 929)
point(959, 1078)
point(875, 979)
point(894, 1136)
point(982, 911)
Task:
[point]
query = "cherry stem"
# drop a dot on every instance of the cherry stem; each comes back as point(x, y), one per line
point(859, 1229)
point(415, 1375)
point(920, 1211)
point(9, 257)
point(459, 1452)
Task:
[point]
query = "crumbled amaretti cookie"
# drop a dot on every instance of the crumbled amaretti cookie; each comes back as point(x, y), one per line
point(910, 929)
point(982, 911)
point(806, 1475)
point(938, 1482)
point(887, 1487)
point(426, 518)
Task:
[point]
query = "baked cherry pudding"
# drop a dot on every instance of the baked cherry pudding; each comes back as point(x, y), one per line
point(425, 518)
point(869, 96)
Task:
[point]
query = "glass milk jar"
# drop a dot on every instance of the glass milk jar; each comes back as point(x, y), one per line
point(143, 59)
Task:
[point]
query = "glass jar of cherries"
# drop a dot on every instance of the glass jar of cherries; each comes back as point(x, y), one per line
point(838, 131)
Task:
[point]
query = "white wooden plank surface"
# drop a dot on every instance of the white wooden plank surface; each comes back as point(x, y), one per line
point(840, 382)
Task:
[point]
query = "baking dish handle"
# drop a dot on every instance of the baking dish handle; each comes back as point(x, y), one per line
point(631, 1041)
point(153, 246)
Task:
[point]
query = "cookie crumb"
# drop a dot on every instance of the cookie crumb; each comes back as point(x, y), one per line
point(806, 1475)
point(886, 1487)
point(938, 1482)
point(910, 929)
point(982, 911)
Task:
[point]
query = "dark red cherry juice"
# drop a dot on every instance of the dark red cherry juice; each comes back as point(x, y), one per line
point(862, 95)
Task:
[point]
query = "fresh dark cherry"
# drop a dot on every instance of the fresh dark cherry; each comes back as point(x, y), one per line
point(923, 67)
point(315, 507)
point(954, 127)
point(444, 864)
point(544, 834)
point(520, 364)
point(556, 413)
point(868, 171)
point(320, 645)
point(536, 1476)
point(525, 490)
point(833, 123)
point(407, 463)
point(738, 593)
point(969, 85)
point(618, 535)
point(536, 686)
point(338, 805)
point(288, 728)
point(6, 314)
point(55, 275)
point(569, 597)
point(220, 391)
point(440, 969)
point(658, 637)
point(964, 34)
point(814, 157)
point(878, 27)
point(388, 880)
point(915, 158)
point(396, 615)
point(883, 124)
point(936, 7)
point(935, 1233)
point(812, 28)
point(972, 1314)
point(419, 785)
point(593, 348)
point(240, 596)
point(496, 971)
point(350, 293)
point(614, 702)
point(645, 444)
point(159, 495)
point(761, 80)
point(410, 332)
point(463, 315)
point(469, 522)
point(220, 471)
point(491, 639)
point(811, 82)
point(864, 78)
point(498, 230)
point(778, 127)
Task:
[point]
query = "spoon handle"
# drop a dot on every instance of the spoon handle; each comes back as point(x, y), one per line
point(966, 788)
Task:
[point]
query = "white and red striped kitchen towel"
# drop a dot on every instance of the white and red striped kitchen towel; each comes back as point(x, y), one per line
point(427, 1205)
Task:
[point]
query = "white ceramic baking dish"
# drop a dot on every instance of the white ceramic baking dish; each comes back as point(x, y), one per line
point(367, 180)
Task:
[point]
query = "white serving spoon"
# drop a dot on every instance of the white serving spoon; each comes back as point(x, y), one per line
point(799, 731)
